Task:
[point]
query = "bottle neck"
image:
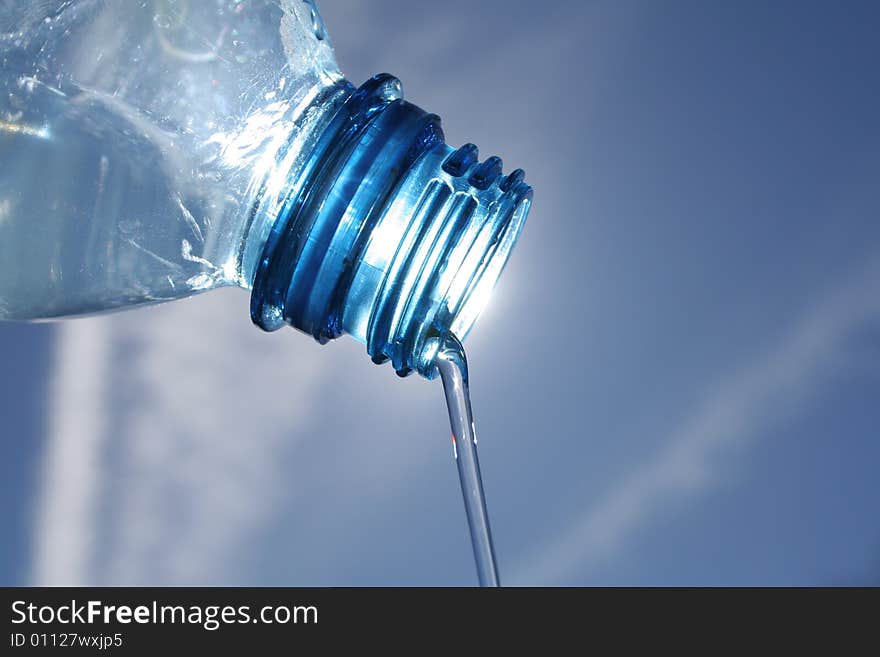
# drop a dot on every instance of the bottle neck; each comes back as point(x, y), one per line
point(387, 233)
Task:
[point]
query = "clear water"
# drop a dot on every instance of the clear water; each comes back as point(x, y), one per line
point(452, 365)
point(136, 140)
point(89, 217)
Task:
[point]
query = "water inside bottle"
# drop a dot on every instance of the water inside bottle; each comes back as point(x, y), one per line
point(452, 365)
point(116, 226)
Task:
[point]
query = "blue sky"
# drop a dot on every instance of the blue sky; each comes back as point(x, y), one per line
point(676, 381)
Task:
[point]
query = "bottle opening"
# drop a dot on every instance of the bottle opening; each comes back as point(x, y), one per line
point(485, 281)
point(389, 234)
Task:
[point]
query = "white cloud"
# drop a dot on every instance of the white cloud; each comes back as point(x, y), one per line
point(64, 541)
point(166, 449)
point(734, 413)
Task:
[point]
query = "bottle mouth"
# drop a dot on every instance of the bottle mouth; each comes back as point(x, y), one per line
point(467, 217)
point(388, 234)
point(497, 253)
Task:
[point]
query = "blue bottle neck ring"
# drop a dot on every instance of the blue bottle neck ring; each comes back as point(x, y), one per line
point(388, 234)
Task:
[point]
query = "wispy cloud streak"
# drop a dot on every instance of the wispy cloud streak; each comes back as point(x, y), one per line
point(734, 413)
point(167, 446)
point(65, 519)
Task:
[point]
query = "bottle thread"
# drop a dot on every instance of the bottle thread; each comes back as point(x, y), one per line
point(388, 234)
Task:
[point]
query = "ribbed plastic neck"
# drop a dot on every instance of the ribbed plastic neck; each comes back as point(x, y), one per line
point(388, 234)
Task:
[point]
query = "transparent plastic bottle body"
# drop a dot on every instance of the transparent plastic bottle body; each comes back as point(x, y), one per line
point(138, 140)
point(150, 150)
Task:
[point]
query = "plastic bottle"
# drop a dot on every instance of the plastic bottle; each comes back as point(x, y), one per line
point(152, 150)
